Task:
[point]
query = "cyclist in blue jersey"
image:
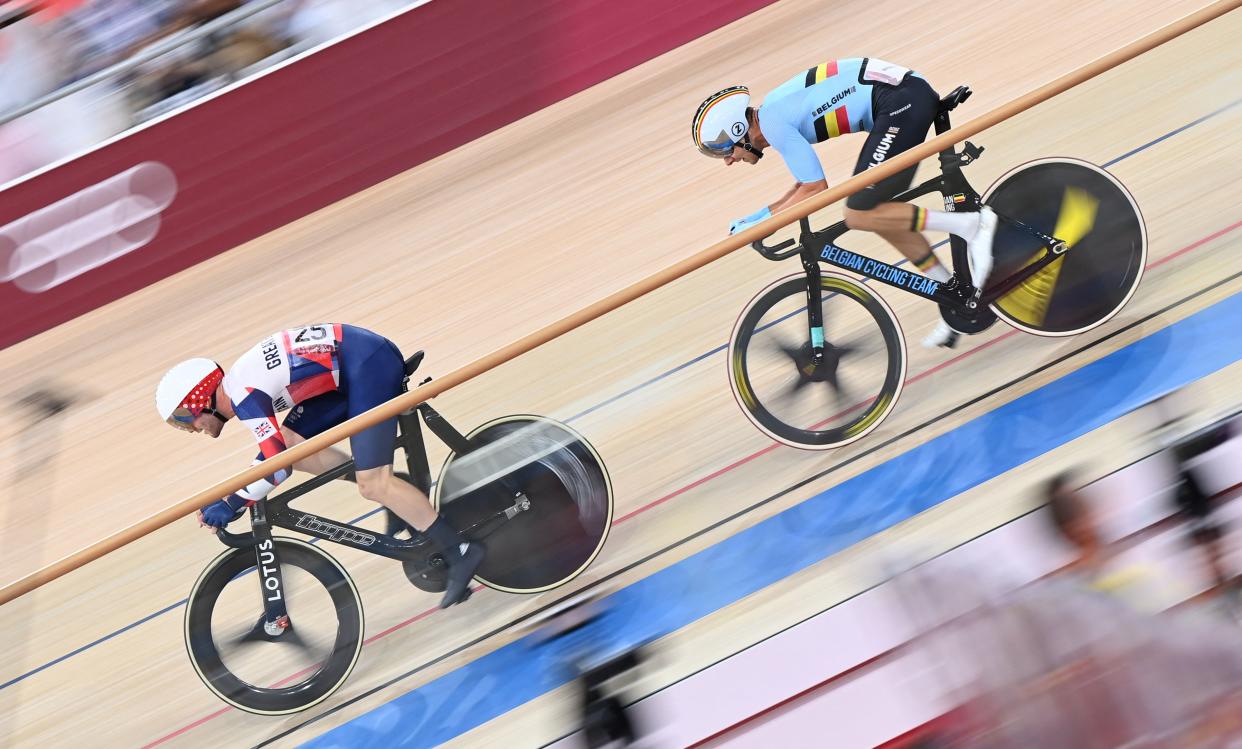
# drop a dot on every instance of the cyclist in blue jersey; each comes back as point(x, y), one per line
point(324, 374)
point(895, 106)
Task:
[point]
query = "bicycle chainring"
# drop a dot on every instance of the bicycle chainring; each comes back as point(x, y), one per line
point(979, 321)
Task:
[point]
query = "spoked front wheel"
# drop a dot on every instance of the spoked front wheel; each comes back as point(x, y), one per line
point(801, 403)
point(1106, 246)
point(536, 493)
point(283, 667)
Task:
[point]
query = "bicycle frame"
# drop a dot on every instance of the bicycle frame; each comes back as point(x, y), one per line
point(820, 246)
point(958, 294)
point(275, 512)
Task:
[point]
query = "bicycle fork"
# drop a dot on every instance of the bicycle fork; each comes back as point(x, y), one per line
point(271, 584)
point(814, 297)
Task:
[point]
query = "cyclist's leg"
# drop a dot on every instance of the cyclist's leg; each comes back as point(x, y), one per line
point(371, 374)
point(903, 117)
point(310, 418)
point(372, 370)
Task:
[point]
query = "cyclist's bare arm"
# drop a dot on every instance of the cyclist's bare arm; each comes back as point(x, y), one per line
point(799, 192)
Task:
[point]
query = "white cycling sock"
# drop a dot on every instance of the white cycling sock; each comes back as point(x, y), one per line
point(938, 273)
point(961, 224)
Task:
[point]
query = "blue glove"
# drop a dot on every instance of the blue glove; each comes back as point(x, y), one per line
point(748, 221)
point(224, 511)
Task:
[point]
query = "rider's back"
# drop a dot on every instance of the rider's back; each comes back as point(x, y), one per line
point(830, 99)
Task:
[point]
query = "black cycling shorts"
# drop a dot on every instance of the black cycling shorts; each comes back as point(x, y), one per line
point(372, 371)
point(902, 116)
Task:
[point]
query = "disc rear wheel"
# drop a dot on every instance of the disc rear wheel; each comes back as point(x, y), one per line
point(539, 495)
point(1105, 253)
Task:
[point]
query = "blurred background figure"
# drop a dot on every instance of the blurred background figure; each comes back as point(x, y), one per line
point(1191, 470)
point(31, 66)
point(1094, 562)
point(1189, 449)
point(197, 63)
point(1120, 645)
point(1056, 665)
point(580, 638)
point(150, 57)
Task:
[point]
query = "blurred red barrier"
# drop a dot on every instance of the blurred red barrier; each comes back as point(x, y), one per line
point(309, 134)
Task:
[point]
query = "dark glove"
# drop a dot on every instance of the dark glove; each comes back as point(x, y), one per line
point(224, 511)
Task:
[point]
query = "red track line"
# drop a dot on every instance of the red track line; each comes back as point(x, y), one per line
point(411, 620)
point(722, 471)
point(775, 445)
point(290, 678)
point(926, 731)
point(182, 730)
point(698, 482)
point(963, 355)
point(372, 638)
point(376, 636)
point(1193, 245)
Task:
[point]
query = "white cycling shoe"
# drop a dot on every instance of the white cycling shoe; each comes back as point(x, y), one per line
point(979, 255)
point(941, 336)
point(979, 247)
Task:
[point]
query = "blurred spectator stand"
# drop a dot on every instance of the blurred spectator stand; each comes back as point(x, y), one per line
point(74, 73)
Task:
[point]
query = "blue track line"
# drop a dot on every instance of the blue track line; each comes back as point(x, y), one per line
point(1168, 135)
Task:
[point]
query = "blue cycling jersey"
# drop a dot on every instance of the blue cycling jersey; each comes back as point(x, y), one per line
point(828, 100)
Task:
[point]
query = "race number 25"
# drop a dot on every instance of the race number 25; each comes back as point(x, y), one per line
point(311, 333)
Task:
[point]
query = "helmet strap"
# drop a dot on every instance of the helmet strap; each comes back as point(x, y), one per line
point(216, 414)
point(752, 120)
point(748, 148)
point(212, 410)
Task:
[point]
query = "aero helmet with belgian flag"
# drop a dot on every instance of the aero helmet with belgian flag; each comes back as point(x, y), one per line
point(720, 122)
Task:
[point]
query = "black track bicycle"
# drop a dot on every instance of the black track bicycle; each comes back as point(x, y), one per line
point(286, 637)
point(818, 360)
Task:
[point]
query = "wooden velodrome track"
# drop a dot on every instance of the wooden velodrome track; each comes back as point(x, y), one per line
point(492, 240)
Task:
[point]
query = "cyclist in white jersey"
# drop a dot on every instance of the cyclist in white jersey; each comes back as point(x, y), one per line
point(895, 106)
point(323, 374)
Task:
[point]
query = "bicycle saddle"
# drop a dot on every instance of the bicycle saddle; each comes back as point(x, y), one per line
point(954, 97)
point(412, 363)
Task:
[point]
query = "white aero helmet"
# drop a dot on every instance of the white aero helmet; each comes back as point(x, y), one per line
point(720, 122)
point(187, 390)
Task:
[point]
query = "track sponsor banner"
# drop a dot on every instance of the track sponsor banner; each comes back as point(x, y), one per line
point(237, 166)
